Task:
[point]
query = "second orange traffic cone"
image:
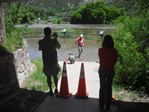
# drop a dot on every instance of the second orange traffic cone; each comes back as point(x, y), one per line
point(64, 91)
point(81, 93)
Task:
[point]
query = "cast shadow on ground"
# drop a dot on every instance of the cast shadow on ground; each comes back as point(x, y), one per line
point(132, 106)
point(35, 101)
point(22, 100)
point(56, 104)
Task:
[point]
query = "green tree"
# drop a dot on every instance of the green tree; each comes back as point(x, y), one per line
point(96, 13)
point(133, 7)
point(132, 68)
point(19, 12)
point(15, 13)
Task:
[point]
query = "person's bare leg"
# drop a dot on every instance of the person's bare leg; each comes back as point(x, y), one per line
point(50, 85)
point(55, 82)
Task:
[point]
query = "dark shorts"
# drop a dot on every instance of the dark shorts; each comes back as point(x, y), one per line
point(51, 70)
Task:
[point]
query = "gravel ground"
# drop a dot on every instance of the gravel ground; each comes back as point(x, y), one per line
point(89, 54)
point(22, 101)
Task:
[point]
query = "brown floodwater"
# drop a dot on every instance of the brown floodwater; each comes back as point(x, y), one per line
point(90, 32)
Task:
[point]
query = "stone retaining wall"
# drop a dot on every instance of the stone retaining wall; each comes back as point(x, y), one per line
point(23, 64)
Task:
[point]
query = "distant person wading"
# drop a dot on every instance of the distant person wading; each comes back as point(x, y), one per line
point(80, 41)
point(48, 46)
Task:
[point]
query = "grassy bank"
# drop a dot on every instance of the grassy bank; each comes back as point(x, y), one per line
point(37, 80)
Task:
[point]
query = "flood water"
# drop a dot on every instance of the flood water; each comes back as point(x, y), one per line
point(68, 43)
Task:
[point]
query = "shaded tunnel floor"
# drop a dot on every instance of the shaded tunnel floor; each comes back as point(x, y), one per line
point(35, 101)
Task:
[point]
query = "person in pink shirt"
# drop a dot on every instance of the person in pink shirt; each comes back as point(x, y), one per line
point(108, 56)
point(80, 41)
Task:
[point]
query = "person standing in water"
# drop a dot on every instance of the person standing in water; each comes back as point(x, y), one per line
point(80, 41)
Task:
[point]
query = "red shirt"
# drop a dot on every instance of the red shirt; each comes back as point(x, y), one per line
point(80, 41)
point(107, 58)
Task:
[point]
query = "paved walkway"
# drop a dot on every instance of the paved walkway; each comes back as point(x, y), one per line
point(56, 104)
point(91, 76)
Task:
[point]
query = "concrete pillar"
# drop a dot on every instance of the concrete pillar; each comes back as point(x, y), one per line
point(2, 24)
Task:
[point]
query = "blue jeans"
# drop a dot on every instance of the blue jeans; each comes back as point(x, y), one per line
point(80, 50)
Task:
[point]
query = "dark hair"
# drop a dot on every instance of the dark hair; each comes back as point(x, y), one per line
point(47, 31)
point(108, 42)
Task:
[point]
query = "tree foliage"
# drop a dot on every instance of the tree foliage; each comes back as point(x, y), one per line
point(132, 70)
point(16, 13)
point(95, 13)
point(132, 42)
point(133, 7)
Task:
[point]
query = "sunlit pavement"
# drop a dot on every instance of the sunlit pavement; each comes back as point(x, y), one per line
point(56, 104)
point(91, 77)
point(71, 104)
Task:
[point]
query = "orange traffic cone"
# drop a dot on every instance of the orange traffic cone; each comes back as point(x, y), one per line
point(81, 93)
point(64, 91)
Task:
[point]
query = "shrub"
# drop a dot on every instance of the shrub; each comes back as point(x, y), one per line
point(132, 68)
point(95, 13)
point(76, 18)
point(13, 40)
